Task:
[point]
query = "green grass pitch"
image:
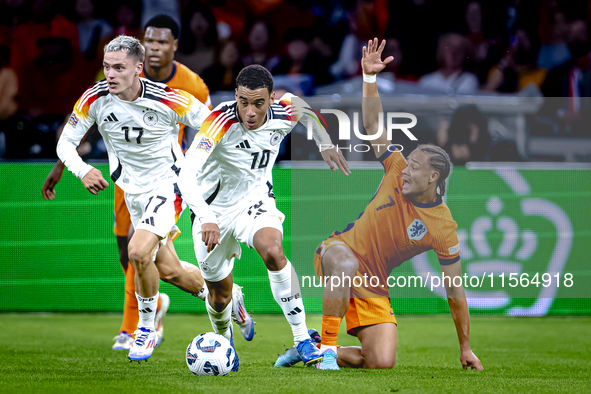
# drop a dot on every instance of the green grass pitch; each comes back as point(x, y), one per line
point(61, 353)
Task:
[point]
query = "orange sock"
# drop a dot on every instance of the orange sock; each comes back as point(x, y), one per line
point(330, 330)
point(130, 311)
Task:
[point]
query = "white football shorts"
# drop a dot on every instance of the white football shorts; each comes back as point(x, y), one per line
point(237, 225)
point(158, 210)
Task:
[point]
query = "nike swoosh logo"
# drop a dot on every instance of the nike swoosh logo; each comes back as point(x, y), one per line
point(329, 333)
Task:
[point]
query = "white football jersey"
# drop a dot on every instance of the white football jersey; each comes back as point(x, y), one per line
point(140, 135)
point(232, 164)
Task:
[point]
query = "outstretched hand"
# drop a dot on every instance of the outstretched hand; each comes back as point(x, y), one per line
point(469, 360)
point(371, 62)
point(334, 154)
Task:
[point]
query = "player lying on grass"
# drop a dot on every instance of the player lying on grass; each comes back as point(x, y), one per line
point(406, 217)
point(138, 121)
point(232, 158)
point(160, 42)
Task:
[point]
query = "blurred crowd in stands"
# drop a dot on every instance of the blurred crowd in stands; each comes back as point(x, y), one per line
point(50, 52)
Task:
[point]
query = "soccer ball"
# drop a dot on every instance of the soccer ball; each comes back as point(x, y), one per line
point(210, 354)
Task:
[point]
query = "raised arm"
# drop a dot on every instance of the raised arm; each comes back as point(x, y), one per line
point(372, 63)
point(458, 306)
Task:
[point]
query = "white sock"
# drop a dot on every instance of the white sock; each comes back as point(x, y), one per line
point(285, 287)
point(147, 308)
point(203, 293)
point(190, 268)
point(324, 348)
point(220, 321)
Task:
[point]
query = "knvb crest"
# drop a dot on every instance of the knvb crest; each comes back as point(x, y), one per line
point(417, 230)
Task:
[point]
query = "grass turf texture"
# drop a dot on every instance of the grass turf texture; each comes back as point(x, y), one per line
point(72, 353)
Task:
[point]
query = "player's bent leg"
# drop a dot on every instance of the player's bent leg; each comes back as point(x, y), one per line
point(268, 243)
point(220, 293)
point(172, 271)
point(350, 357)
point(219, 309)
point(141, 251)
point(378, 348)
point(338, 261)
point(339, 264)
point(130, 308)
point(286, 290)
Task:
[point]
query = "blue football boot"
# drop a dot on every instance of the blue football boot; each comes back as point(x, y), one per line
point(291, 355)
point(309, 353)
point(289, 358)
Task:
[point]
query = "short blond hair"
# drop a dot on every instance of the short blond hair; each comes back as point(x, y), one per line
point(131, 45)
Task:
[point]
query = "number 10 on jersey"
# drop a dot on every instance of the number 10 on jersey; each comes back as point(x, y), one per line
point(264, 159)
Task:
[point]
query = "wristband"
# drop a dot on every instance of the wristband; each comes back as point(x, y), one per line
point(369, 78)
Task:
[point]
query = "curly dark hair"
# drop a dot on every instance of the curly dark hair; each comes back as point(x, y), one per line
point(255, 77)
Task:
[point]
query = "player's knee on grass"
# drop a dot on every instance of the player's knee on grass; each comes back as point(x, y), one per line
point(378, 358)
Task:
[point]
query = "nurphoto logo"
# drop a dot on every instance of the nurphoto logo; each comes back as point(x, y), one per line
point(392, 124)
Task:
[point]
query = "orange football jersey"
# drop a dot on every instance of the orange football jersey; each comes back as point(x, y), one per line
point(393, 229)
point(183, 78)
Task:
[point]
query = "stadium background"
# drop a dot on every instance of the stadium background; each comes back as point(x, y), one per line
point(61, 255)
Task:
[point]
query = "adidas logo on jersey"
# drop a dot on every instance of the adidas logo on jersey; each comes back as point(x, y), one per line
point(244, 145)
point(111, 118)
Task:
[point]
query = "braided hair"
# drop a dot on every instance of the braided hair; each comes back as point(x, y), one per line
point(439, 161)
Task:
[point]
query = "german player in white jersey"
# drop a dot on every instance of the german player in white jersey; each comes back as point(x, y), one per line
point(230, 161)
point(138, 119)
